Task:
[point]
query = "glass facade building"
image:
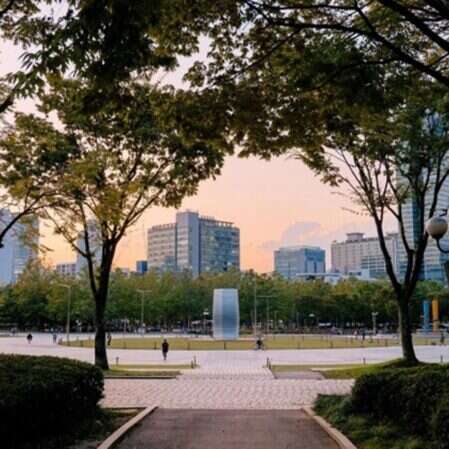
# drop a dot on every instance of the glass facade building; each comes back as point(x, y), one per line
point(432, 267)
point(19, 246)
point(95, 246)
point(294, 261)
point(194, 243)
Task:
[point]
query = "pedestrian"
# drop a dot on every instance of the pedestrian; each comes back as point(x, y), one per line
point(55, 337)
point(29, 338)
point(109, 339)
point(442, 338)
point(165, 347)
point(259, 343)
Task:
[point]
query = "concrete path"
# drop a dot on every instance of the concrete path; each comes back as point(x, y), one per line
point(243, 429)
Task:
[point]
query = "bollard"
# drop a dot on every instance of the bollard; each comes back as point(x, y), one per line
point(116, 360)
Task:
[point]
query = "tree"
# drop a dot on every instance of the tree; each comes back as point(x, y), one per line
point(29, 169)
point(410, 33)
point(380, 131)
point(144, 147)
point(105, 41)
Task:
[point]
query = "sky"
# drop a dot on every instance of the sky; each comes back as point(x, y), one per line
point(274, 203)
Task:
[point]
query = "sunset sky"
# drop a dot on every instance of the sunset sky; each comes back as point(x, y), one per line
point(273, 203)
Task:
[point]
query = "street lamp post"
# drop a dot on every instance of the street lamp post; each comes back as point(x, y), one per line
point(69, 301)
point(142, 292)
point(205, 315)
point(311, 316)
point(255, 308)
point(374, 316)
point(437, 227)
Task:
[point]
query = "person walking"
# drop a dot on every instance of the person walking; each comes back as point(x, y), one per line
point(165, 348)
point(29, 338)
point(55, 337)
point(109, 339)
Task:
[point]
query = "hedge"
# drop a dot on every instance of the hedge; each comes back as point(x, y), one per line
point(417, 399)
point(42, 398)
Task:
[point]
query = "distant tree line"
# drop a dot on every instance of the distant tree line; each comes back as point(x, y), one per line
point(39, 300)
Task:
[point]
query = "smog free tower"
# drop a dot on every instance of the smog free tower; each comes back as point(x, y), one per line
point(226, 316)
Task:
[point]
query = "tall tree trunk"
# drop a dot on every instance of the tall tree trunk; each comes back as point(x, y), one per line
point(405, 327)
point(101, 358)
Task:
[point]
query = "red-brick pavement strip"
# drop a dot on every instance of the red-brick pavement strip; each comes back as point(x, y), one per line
point(226, 429)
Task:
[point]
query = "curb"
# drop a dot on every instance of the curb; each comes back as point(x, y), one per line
point(120, 432)
point(342, 441)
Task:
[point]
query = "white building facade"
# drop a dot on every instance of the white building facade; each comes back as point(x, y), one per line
point(363, 254)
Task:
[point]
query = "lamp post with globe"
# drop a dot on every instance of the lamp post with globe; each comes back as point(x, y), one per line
point(437, 228)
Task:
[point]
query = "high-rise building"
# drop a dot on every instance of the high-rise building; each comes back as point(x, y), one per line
point(66, 269)
point(432, 267)
point(94, 246)
point(291, 262)
point(194, 243)
point(359, 253)
point(19, 246)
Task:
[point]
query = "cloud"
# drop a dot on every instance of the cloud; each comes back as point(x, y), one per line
point(299, 231)
point(313, 233)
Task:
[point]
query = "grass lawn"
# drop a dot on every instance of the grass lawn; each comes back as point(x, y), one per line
point(92, 434)
point(118, 372)
point(321, 368)
point(165, 366)
point(362, 431)
point(337, 371)
point(278, 342)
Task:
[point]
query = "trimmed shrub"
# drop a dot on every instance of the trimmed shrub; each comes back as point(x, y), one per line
point(439, 423)
point(409, 397)
point(42, 398)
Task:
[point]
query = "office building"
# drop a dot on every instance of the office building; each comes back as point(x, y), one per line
point(358, 253)
point(19, 246)
point(66, 269)
point(432, 267)
point(195, 244)
point(292, 262)
point(94, 241)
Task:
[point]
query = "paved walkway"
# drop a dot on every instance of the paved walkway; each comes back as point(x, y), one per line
point(242, 393)
point(244, 429)
point(233, 360)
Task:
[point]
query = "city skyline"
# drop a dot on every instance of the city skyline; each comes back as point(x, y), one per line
point(291, 202)
point(285, 222)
